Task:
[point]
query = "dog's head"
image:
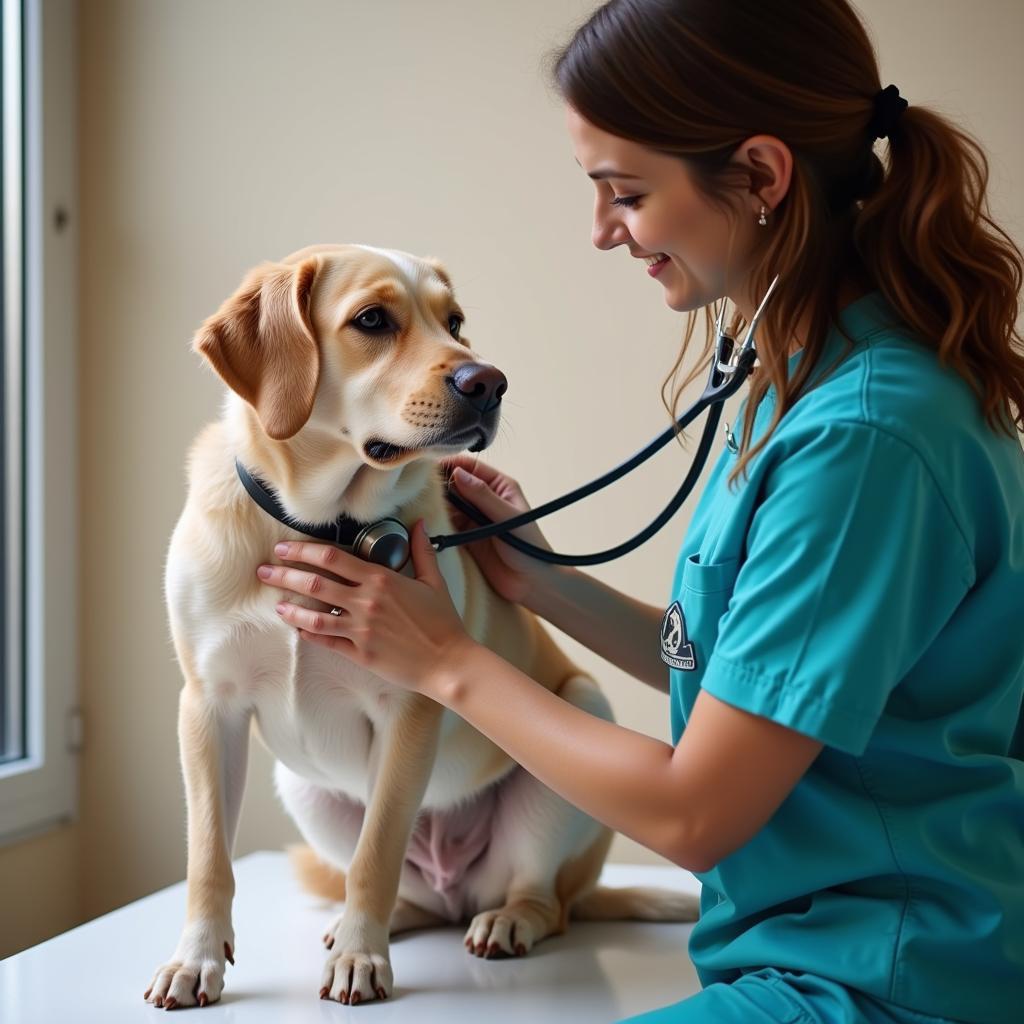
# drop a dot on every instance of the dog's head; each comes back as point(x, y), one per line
point(359, 343)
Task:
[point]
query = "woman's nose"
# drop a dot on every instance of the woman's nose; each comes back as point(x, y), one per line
point(608, 230)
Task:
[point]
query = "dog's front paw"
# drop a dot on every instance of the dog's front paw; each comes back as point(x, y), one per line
point(195, 973)
point(358, 968)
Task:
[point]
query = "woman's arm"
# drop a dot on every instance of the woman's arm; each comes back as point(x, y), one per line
point(625, 631)
point(694, 804)
point(618, 627)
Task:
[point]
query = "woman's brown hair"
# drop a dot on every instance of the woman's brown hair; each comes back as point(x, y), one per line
point(695, 78)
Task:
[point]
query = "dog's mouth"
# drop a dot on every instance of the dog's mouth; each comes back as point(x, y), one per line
point(385, 452)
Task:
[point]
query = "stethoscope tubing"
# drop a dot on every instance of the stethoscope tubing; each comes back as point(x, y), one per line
point(621, 549)
point(724, 379)
point(500, 529)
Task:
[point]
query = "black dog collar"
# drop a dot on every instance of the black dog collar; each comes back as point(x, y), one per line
point(385, 542)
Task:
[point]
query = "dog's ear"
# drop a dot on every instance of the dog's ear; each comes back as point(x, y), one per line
point(263, 345)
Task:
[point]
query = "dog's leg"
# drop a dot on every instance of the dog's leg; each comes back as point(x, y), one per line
point(536, 834)
point(358, 967)
point(214, 753)
point(330, 822)
point(406, 917)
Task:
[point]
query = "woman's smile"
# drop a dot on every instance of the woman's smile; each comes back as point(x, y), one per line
point(655, 264)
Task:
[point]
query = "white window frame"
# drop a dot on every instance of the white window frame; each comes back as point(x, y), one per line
point(40, 790)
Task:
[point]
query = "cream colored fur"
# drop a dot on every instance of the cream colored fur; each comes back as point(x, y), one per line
point(305, 390)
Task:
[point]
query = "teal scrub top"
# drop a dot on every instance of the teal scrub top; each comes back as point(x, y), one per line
point(865, 586)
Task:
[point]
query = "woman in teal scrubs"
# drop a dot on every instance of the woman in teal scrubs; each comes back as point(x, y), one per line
point(842, 639)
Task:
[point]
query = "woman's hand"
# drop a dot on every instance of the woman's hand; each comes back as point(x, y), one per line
point(511, 573)
point(403, 629)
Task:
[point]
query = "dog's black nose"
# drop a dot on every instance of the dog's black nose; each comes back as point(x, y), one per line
point(483, 385)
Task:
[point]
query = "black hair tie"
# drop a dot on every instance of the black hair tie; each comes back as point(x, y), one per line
point(888, 107)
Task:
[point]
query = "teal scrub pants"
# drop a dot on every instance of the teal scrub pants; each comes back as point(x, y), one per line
point(770, 996)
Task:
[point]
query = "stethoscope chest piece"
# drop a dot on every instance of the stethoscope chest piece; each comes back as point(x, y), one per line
point(385, 542)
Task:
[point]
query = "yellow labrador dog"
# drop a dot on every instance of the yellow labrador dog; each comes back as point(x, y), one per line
point(347, 380)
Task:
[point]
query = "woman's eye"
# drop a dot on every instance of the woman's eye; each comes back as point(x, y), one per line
point(375, 320)
point(454, 324)
point(625, 200)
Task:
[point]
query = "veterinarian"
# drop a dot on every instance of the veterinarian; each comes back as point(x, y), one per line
point(841, 641)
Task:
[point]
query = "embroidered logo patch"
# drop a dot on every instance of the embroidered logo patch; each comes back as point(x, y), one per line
point(676, 650)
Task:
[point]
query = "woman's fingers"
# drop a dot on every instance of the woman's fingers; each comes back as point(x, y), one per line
point(489, 501)
point(329, 556)
point(335, 643)
point(503, 486)
point(474, 467)
point(310, 583)
point(320, 623)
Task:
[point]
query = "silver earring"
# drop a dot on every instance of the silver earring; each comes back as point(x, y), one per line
point(761, 220)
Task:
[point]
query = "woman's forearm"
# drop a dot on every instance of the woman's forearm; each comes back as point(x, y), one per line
point(622, 778)
point(620, 628)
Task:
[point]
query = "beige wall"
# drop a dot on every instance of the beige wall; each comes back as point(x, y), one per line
point(216, 135)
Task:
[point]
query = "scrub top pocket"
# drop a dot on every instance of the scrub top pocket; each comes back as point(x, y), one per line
point(690, 629)
point(715, 578)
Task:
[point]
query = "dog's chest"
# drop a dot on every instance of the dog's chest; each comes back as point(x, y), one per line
point(317, 712)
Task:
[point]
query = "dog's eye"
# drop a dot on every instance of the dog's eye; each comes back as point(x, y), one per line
point(374, 320)
point(455, 324)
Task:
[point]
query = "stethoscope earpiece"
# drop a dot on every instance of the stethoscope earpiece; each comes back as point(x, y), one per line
point(730, 440)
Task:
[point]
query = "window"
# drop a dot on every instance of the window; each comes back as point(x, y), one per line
point(39, 724)
point(12, 683)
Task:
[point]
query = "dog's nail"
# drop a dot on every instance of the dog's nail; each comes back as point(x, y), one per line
point(492, 949)
point(344, 998)
point(203, 999)
point(520, 949)
point(323, 992)
point(229, 954)
point(356, 996)
point(382, 993)
point(171, 1003)
point(148, 990)
point(158, 1001)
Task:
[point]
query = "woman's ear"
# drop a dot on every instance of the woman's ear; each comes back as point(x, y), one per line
point(262, 344)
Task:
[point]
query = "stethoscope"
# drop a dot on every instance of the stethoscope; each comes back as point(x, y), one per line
point(386, 541)
point(729, 368)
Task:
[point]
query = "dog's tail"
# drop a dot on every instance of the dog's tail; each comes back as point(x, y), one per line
point(316, 875)
point(635, 903)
